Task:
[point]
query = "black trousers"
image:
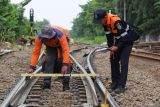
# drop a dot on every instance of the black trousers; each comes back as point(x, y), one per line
point(53, 64)
point(119, 65)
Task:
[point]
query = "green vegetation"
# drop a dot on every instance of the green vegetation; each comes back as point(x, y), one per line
point(39, 24)
point(12, 22)
point(91, 40)
point(143, 14)
point(8, 19)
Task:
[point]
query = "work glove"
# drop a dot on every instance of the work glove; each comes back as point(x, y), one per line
point(64, 69)
point(31, 69)
point(113, 49)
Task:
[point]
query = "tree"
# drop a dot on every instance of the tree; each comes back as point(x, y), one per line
point(12, 22)
point(143, 14)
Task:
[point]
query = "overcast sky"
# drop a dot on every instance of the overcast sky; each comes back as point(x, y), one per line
point(58, 12)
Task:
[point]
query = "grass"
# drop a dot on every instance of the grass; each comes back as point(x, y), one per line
point(91, 40)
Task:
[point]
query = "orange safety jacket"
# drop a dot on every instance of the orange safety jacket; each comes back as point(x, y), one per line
point(66, 31)
point(59, 40)
point(111, 20)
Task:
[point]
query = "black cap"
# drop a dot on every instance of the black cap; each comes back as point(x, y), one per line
point(99, 15)
point(47, 33)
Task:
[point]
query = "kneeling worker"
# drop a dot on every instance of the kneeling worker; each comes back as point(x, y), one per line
point(54, 39)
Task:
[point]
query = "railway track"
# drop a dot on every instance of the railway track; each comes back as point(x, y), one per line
point(143, 76)
point(151, 46)
point(28, 93)
point(100, 82)
point(146, 55)
point(85, 91)
point(4, 52)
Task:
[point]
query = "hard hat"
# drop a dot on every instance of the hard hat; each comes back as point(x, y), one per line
point(47, 33)
point(99, 15)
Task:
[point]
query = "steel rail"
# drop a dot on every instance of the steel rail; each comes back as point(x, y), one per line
point(15, 91)
point(6, 52)
point(146, 55)
point(23, 86)
point(99, 83)
point(23, 93)
point(89, 81)
point(18, 94)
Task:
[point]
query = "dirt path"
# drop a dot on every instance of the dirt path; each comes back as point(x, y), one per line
point(143, 81)
point(11, 67)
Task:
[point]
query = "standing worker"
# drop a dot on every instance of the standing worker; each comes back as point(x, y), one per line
point(54, 39)
point(120, 39)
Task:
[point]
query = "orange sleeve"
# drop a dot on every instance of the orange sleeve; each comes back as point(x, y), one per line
point(36, 52)
point(65, 49)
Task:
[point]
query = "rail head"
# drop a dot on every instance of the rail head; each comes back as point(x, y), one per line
point(101, 86)
point(89, 81)
point(3, 52)
point(12, 95)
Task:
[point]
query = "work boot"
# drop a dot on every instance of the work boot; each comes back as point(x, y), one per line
point(112, 87)
point(66, 85)
point(46, 86)
point(119, 90)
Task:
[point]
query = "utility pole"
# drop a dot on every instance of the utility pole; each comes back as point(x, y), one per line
point(31, 21)
point(124, 10)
